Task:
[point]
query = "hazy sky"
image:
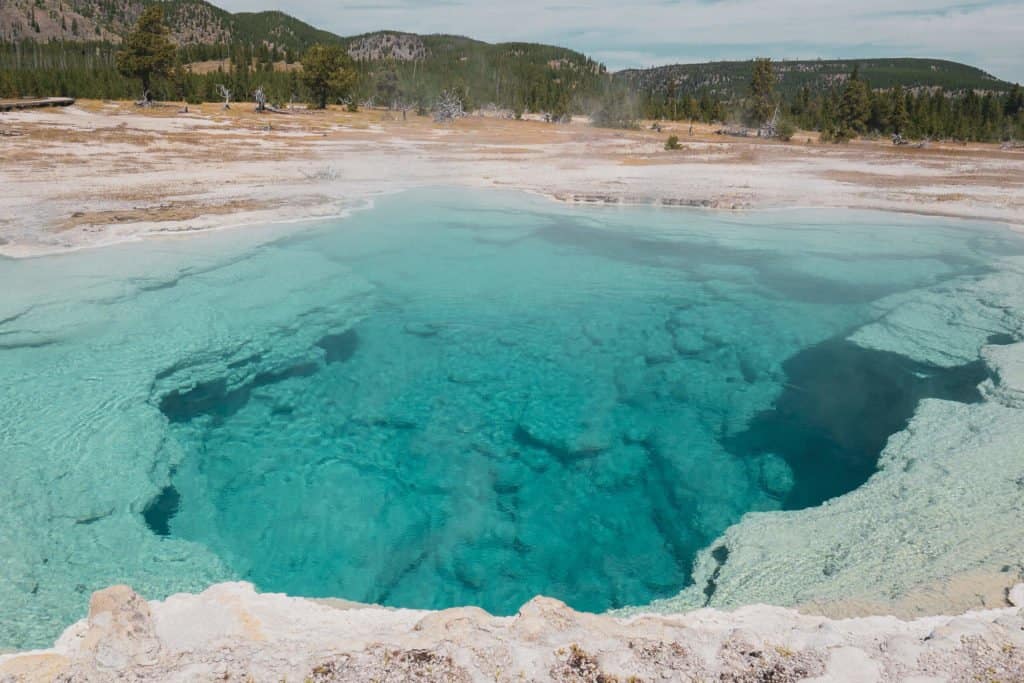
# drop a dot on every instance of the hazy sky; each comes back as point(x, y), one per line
point(621, 33)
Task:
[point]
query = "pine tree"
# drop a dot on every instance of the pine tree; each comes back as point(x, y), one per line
point(7, 87)
point(326, 71)
point(1014, 101)
point(899, 116)
point(855, 105)
point(180, 80)
point(761, 103)
point(388, 89)
point(148, 51)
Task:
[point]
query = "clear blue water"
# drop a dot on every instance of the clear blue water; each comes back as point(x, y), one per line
point(452, 398)
point(543, 404)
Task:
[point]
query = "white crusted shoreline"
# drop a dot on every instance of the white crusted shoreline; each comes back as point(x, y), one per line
point(102, 173)
point(229, 632)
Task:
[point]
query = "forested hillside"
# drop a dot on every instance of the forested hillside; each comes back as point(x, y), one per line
point(192, 22)
point(69, 47)
point(729, 80)
point(390, 66)
point(914, 98)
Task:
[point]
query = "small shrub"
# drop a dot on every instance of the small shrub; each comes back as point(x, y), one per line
point(352, 106)
point(577, 666)
point(785, 130)
point(672, 142)
point(837, 135)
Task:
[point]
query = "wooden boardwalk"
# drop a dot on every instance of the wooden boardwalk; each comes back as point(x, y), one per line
point(35, 103)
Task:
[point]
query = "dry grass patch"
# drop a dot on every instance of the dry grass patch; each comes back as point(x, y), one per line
point(162, 213)
point(59, 135)
point(878, 179)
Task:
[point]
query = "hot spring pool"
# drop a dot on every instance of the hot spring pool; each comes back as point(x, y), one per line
point(453, 398)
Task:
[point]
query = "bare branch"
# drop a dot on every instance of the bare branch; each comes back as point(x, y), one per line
point(261, 100)
point(448, 108)
point(226, 94)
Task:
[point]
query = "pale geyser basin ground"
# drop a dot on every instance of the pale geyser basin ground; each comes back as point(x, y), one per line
point(463, 398)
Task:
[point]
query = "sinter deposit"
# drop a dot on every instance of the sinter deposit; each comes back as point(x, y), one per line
point(229, 632)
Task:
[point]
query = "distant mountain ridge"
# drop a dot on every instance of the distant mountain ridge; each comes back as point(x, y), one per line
point(731, 79)
point(200, 23)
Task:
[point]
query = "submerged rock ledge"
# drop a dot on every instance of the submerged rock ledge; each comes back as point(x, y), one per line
point(230, 632)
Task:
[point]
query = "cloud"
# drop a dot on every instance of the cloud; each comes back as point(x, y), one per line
point(984, 33)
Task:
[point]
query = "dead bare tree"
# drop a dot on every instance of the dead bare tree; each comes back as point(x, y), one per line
point(770, 128)
point(448, 108)
point(226, 94)
point(403, 106)
point(261, 100)
point(493, 111)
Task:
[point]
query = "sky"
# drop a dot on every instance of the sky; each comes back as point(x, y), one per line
point(988, 34)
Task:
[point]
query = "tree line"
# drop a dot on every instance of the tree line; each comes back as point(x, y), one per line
point(851, 108)
point(518, 77)
point(856, 110)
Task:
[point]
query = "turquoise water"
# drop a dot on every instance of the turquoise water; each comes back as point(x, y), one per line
point(452, 398)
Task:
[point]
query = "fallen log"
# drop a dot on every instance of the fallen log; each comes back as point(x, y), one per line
point(734, 132)
point(277, 110)
point(36, 103)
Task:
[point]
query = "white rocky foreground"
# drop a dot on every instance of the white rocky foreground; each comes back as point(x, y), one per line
point(230, 632)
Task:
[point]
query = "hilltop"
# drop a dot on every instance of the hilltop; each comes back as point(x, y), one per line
point(729, 80)
point(196, 23)
point(69, 47)
point(192, 22)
